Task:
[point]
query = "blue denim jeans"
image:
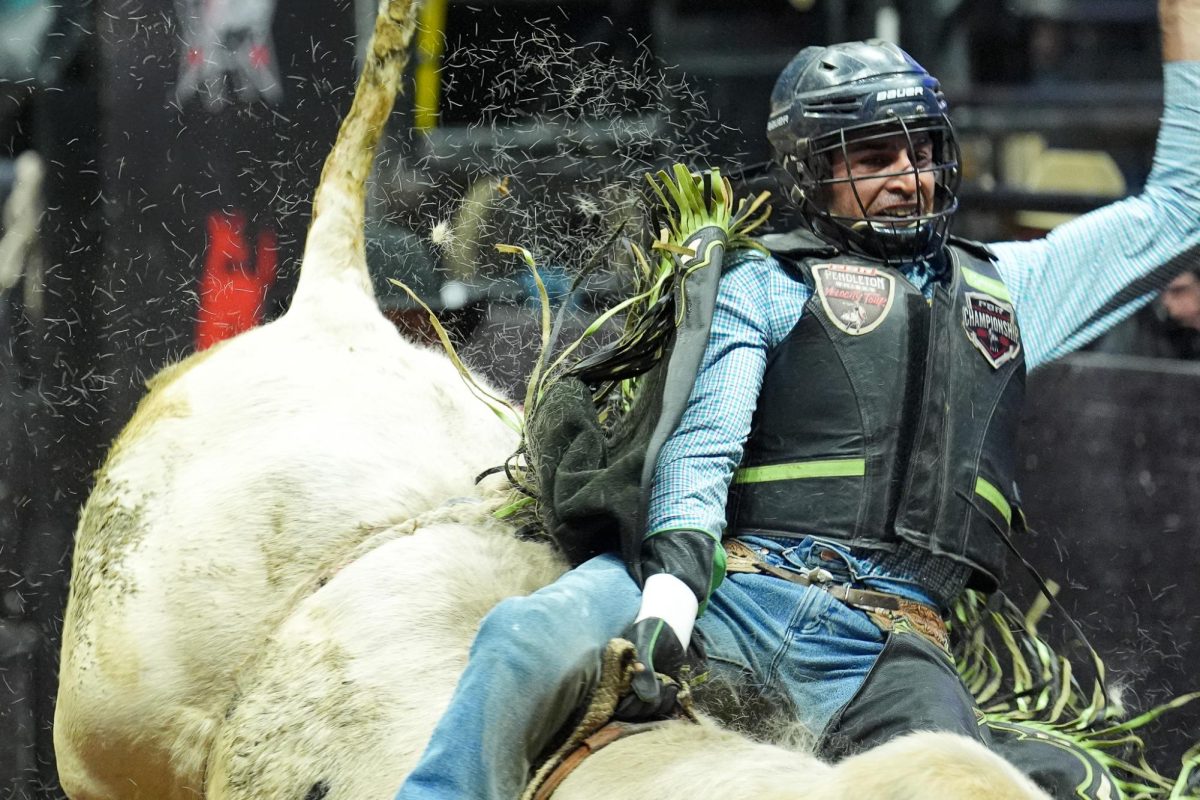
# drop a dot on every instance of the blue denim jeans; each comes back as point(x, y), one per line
point(535, 658)
point(797, 641)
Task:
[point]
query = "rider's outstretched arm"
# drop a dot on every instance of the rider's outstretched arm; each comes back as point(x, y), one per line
point(1090, 273)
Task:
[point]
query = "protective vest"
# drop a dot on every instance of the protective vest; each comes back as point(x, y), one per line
point(884, 417)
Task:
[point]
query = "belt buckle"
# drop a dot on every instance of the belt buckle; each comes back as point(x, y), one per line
point(917, 618)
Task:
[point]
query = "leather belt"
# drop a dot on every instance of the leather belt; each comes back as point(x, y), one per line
point(890, 612)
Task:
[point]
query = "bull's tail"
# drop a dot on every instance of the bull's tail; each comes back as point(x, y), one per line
point(335, 249)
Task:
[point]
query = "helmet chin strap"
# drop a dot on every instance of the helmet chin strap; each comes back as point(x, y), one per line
point(891, 242)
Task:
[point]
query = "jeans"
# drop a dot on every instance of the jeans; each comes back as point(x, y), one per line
point(536, 658)
point(783, 639)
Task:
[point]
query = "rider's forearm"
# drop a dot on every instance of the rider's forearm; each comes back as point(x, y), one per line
point(1126, 249)
point(692, 473)
point(1180, 22)
point(681, 569)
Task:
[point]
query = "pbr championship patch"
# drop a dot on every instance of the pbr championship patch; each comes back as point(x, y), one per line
point(856, 299)
point(991, 325)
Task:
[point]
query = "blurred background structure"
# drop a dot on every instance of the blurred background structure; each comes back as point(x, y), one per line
point(178, 143)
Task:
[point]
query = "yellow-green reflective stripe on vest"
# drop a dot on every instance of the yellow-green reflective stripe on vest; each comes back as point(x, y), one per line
point(994, 496)
point(985, 284)
point(828, 468)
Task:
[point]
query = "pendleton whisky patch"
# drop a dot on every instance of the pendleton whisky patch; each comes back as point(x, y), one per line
point(856, 299)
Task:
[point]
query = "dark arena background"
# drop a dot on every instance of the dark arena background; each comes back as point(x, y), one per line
point(175, 196)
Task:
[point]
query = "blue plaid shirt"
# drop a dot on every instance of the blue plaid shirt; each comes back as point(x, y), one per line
point(1067, 288)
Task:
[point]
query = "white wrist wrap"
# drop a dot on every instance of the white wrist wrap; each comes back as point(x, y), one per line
point(668, 598)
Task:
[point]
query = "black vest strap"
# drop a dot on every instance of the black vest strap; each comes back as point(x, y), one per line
point(796, 244)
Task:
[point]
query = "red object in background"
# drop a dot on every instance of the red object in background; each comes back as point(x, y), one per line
point(236, 277)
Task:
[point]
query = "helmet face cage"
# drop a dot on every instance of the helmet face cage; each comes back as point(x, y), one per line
point(888, 239)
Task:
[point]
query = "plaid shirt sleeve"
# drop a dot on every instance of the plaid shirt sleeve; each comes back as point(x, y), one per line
point(756, 304)
point(1090, 273)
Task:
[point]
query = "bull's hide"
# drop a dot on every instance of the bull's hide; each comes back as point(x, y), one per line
point(247, 469)
point(347, 690)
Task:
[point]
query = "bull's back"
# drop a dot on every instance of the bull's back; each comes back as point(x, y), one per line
point(344, 695)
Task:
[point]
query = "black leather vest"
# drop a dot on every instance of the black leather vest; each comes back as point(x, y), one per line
point(885, 417)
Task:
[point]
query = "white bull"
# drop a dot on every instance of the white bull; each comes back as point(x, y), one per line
point(245, 470)
point(345, 694)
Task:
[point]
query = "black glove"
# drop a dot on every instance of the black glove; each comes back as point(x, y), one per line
point(658, 651)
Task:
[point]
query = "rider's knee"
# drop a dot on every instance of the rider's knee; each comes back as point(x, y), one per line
point(520, 630)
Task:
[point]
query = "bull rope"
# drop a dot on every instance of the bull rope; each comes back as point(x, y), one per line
point(595, 729)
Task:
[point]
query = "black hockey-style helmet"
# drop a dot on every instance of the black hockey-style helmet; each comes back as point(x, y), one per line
point(829, 98)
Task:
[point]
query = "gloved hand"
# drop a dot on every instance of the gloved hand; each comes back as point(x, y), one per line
point(658, 651)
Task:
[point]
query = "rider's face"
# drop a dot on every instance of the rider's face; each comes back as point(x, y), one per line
point(883, 178)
